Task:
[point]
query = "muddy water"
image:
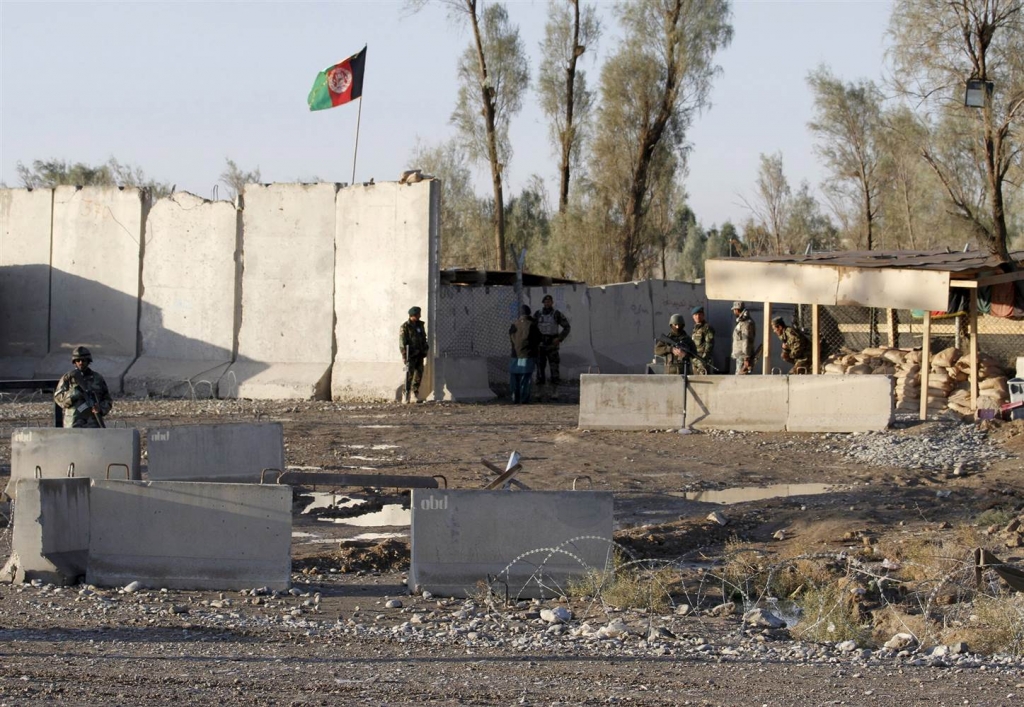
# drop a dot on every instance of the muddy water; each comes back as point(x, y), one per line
point(743, 494)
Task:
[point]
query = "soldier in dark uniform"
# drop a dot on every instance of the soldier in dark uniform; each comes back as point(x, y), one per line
point(796, 348)
point(703, 340)
point(83, 393)
point(554, 329)
point(676, 357)
point(412, 342)
point(525, 339)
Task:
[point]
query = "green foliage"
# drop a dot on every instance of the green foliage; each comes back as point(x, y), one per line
point(54, 173)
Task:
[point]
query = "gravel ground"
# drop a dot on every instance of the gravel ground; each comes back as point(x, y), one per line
point(357, 637)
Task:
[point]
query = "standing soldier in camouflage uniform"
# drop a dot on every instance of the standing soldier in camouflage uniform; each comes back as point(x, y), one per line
point(796, 349)
point(412, 342)
point(676, 357)
point(743, 339)
point(554, 329)
point(703, 341)
point(83, 393)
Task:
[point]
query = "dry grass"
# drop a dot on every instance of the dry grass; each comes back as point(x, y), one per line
point(629, 585)
point(828, 613)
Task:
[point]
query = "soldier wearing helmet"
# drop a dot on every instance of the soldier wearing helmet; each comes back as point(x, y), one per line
point(554, 329)
point(678, 356)
point(743, 335)
point(83, 393)
point(412, 343)
point(796, 348)
point(703, 339)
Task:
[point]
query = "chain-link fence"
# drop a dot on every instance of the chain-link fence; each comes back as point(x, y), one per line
point(853, 329)
point(473, 322)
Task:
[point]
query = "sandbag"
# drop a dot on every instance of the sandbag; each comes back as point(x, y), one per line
point(946, 357)
point(859, 369)
point(835, 368)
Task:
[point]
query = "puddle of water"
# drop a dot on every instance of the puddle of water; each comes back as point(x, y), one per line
point(376, 427)
point(392, 514)
point(328, 500)
point(756, 493)
point(361, 458)
point(297, 534)
point(375, 447)
point(375, 536)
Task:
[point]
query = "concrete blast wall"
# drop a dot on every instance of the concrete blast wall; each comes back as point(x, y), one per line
point(189, 289)
point(748, 403)
point(532, 543)
point(95, 267)
point(50, 540)
point(285, 343)
point(622, 326)
point(25, 219)
point(386, 260)
point(237, 452)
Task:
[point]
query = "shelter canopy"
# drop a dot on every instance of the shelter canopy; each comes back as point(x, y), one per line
point(888, 279)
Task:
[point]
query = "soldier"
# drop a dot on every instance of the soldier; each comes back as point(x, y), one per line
point(412, 342)
point(743, 339)
point(554, 329)
point(83, 393)
point(525, 339)
point(796, 348)
point(703, 340)
point(676, 357)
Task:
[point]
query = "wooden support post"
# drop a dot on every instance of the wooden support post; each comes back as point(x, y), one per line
point(926, 362)
point(766, 342)
point(815, 342)
point(890, 323)
point(972, 324)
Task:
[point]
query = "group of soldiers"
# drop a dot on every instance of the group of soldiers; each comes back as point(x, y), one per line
point(686, 353)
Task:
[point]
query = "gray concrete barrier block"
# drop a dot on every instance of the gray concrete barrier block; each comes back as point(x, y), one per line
point(92, 451)
point(630, 402)
point(532, 542)
point(184, 535)
point(748, 403)
point(840, 403)
point(50, 538)
point(237, 452)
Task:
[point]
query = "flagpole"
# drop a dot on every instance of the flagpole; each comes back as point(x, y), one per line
point(355, 152)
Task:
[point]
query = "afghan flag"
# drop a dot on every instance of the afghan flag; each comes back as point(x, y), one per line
point(338, 84)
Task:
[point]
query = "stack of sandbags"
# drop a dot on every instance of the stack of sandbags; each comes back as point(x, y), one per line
point(908, 385)
point(993, 391)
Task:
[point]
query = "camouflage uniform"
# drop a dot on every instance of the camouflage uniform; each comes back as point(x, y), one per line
point(554, 329)
point(412, 342)
point(704, 342)
point(70, 396)
point(674, 365)
point(796, 348)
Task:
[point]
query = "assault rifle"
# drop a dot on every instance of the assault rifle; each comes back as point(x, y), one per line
point(90, 400)
point(689, 349)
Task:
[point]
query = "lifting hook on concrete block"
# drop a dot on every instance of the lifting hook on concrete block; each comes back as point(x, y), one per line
point(39, 472)
point(71, 470)
point(442, 478)
point(590, 482)
point(127, 471)
point(263, 474)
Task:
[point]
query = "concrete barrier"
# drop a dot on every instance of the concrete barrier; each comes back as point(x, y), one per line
point(631, 402)
point(386, 262)
point(50, 538)
point(747, 403)
point(622, 326)
point(183, 535)
point(25, 219)
point(94, 286)
point(285, 341)
point(91, 451)
point(190, 287)
point(530, 542)
point(236, 452)
point(463, 380)
point(840, 403)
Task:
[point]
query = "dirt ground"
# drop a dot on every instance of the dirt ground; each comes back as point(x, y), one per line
point(105, 646)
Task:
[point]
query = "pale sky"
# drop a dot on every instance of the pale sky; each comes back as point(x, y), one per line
point(175, 87)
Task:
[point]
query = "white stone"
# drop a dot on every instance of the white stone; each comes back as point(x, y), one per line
point(726, 609)
point(846, 646)
point(393, 604)
point(133, 587)
point(556, 616)
point(763, 618)
point(901, 641)
point(716, 517)
point(614, 629)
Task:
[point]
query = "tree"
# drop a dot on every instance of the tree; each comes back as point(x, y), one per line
point(847, 120)
point(771, 204)
point(691, 262)
point(937, 46)
point(54, 173)
point(235, 179)
point(651, 89)
point(807, 226)
point(564, 95)
point(493, 75)
point(526, 220)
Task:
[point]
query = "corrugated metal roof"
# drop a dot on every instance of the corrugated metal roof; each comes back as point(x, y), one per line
point(961, 265)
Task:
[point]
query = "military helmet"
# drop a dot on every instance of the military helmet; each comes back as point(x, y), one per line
point(80, 353)
point(778, 321)
point(414, 311)
point(676, 320)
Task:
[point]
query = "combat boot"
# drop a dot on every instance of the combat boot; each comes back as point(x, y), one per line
point(553, 392)
point(405, 398)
